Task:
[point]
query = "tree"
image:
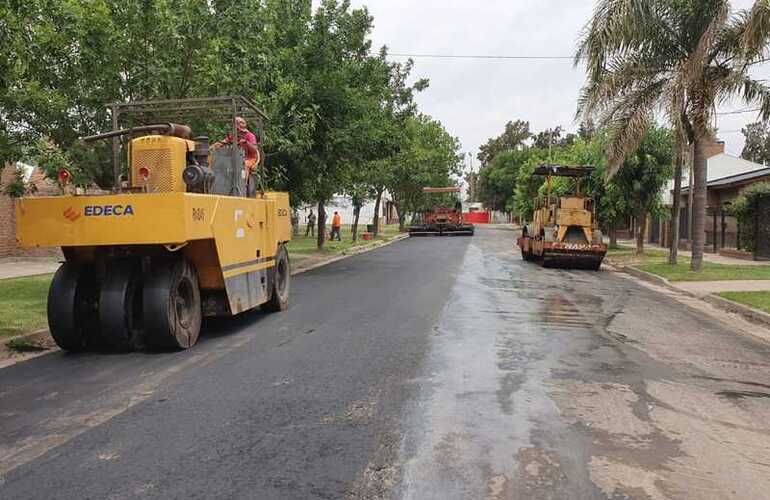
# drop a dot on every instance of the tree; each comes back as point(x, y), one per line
point(551, 138)
point(757, 147)
point(429, 157)
point(513, 137)
point(497, 180)
point(682, 56)
point(587, 129)
point(642, 177)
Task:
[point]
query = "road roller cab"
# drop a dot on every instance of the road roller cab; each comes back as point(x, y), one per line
point(187, 232)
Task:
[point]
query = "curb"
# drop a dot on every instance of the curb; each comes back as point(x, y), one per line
point(9, 357)
point(753, 315)
point(354, 251)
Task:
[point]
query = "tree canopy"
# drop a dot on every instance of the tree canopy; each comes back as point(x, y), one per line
point(340, 115)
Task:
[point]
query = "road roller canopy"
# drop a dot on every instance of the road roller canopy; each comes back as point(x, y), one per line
point(197, 113)
point(564, 170)
point(224, 108)
point(439, 190)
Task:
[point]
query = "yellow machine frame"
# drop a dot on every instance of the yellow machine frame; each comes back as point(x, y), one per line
point(187, 233)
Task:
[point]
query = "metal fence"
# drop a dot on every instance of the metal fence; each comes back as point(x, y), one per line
point(762, 229)
point(721, 230)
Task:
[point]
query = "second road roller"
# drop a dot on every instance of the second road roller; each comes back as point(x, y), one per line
point(563, 232)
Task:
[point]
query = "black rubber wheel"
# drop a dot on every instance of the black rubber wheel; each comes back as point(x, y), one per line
point(279, 283)
point(120, 306)
point(72, 306)
point(171, 304)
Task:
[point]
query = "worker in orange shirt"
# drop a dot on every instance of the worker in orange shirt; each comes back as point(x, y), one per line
point(336, 225)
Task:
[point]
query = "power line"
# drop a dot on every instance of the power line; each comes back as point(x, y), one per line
point(740, 111)
point(468, 56)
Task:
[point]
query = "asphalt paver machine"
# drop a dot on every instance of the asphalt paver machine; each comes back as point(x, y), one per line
point(563, 232)
point(442, 220)
point(186, 232)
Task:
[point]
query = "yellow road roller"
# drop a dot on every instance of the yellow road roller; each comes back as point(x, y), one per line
point(564, 232)
point(188, 231)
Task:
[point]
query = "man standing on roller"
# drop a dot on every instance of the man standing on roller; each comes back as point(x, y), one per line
point(247, 141)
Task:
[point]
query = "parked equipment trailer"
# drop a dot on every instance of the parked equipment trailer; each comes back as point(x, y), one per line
point(442, 221)
point(563, 233)
point(186, 233)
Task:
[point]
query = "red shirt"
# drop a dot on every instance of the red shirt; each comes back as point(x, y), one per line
point(249, 138)
point(336, 221)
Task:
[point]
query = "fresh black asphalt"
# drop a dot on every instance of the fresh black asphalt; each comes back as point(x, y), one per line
point(290, 405)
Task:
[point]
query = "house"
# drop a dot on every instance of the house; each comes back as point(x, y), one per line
point(727, 176)
point(9, 247)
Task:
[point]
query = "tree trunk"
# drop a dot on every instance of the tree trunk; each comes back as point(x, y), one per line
point(401, 222)
point(294, 222)
point(700, 175)
point(613, 235)
point(641, 225)
point(321, 239)
point(690, 200)
point(676, 207)
point(354, 230)
point(376, 220)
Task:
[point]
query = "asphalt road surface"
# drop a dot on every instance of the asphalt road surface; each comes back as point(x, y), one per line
point(432, 368)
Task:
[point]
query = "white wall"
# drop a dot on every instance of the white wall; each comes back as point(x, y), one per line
point(343, 205)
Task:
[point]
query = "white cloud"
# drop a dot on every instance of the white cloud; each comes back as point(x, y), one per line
point(474, 99)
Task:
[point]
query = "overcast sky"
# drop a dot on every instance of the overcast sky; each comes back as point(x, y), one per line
point(475, 98)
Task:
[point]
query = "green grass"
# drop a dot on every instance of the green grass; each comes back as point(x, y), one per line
point(626, 256)
point(23, 304)
point(757, 300)
point(656, 262)
point(710, 272)
point(23, 345)
point(301, 247)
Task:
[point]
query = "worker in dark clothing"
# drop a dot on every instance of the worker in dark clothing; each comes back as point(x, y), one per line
point(310, 231)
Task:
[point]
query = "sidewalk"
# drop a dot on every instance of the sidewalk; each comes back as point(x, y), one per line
point(17, 267)
point(711, 291)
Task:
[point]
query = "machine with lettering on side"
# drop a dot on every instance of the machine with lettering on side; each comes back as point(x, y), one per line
point(564, 232)
point(187, 232)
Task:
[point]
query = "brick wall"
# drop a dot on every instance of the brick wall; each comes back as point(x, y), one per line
point(8, 245)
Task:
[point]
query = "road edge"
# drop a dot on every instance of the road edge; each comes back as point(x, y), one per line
point(755, 316)
point(350, 253)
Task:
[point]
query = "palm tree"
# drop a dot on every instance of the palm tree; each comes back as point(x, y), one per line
point(676, 57)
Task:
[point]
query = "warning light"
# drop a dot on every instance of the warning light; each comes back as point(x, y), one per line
point(144, 173)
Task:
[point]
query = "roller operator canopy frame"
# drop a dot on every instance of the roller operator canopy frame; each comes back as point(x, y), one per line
point(432, 190)
point(574, 171)
point(224, 108)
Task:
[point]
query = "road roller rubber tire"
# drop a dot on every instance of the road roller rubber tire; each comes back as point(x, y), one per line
point(171, 304)
point(120, 306)
point(71, 306)
point(279, 283)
